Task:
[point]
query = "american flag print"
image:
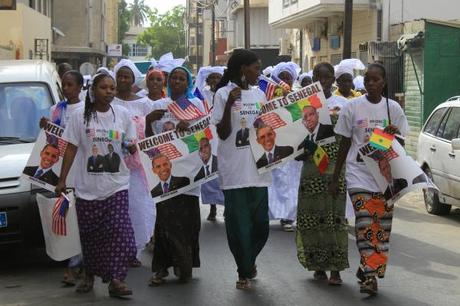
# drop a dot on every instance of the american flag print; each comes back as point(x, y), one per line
point(91, 133)
point(362, 123)
point(183, 109)
point(268, 87)
point(281, 83)
point(169, 150)
point(273, 120)
point(390, 154)
point(62, 145)
point(61, 206)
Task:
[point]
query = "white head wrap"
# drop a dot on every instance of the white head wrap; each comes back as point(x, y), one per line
point(359, 82)
point(267, 71)
point(104, 70)
point(348, 66)
point(204, 72)
point(91, 89)
point(167, 62)
point(153, 63)
point(292, 68)
point(305, 74)
point(128, 63)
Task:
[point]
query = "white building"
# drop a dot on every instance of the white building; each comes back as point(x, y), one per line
point(137, 52)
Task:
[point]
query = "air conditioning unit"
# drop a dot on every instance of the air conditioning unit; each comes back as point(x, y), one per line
point(285, 45)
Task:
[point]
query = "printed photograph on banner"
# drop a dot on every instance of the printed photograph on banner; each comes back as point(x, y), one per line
point(178, 161)
point(44, 164)
point(290, 125)
point(395, 172)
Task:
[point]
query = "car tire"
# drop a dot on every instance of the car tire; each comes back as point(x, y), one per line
point(431, 198)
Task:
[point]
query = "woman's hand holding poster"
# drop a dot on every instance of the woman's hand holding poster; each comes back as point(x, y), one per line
point(395, 172)
point(44, 164)
point(178, 161)
point(286, 124)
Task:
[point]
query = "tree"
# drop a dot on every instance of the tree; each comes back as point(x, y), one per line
point(124, 17)
point(139, 12)
point(166, 32)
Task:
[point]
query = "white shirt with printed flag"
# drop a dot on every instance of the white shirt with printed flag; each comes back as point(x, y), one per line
point(111, 127)
point(356, 121)
point(237, 167)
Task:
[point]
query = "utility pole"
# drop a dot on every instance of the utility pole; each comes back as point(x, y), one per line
point(247, 23)
point(213, 33)
point(347, 29)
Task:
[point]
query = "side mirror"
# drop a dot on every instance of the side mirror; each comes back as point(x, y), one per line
point(455, 144)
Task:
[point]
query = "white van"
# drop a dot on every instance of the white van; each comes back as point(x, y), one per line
point(28, 88)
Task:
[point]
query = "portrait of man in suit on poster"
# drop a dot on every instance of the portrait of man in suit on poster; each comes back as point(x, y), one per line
point(95, 162)
point(316, 130)
point(112, 160)
point(209, 160)
point(162, 167)
point(266, 137)
point(242, 136)
point(49, 156)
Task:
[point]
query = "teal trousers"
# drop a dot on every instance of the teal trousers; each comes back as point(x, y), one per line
point(247, 225)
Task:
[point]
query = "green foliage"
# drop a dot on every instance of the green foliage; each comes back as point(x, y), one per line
point(166, 32)
point(124, 16)
point(139, 12)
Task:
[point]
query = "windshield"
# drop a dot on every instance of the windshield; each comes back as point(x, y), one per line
point(21, 107)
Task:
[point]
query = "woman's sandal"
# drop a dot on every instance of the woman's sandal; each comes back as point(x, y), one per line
point(119, 289)
point(335, 279)
point(369, 286)
point(320, 275)
point(69, 279)
point(243, 284)
point(86, 285)
point(158, 279)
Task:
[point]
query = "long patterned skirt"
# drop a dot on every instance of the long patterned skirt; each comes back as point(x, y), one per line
point(321, 238)
point(372, 229)
point(106, 235)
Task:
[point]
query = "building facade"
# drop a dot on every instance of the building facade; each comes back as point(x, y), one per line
point(194, 42)
point(26, 30)
point(137, 52)
point(85, 33)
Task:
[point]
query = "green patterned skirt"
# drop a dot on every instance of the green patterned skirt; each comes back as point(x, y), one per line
point(321, 238)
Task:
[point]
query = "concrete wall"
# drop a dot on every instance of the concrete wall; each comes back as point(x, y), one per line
point(75, 26)
point(20, 28)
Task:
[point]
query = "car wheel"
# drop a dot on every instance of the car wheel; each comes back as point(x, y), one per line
point(432, 204)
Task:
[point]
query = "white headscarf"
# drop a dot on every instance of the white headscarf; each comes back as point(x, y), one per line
point(153, 63)
point(167, 62)
point(128, 63)
point(348, 66)
point(203, 74)
point(104, 70)
point(359, 82)
point(305, 74)
point(292, 68)
point(267, 71)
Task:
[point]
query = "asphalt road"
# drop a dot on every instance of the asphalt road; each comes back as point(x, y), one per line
point(424, 269)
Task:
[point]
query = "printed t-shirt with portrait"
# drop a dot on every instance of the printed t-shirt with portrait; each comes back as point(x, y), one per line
point(67, 112)
point(169, 121)
point(100, 171)
point(237, 167)
point(357, 121)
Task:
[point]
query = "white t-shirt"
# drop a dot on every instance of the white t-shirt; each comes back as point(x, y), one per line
point(237, 168)
point(101, 175)
point(208, 96)
point(68, 112)
point(356, 121)
point(336, 101)
point(140, 107)
point(170, 121)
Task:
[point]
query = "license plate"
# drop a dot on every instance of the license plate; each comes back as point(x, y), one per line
point(3, 219)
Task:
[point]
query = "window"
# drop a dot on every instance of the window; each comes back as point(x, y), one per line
point(285, 3)
point(451, 127)
point(431, 126)
point(442, 125)
point(138, 50)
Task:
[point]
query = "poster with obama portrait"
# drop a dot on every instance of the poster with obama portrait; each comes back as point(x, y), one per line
point(288, 126)
point(178, 161)
point(44, 165)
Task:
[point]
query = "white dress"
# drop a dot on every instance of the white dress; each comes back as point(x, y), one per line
point(141, 206)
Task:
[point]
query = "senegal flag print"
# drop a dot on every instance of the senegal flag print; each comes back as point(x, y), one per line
point(193, 141)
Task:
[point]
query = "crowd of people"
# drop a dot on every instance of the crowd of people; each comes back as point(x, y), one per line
point(117, 217)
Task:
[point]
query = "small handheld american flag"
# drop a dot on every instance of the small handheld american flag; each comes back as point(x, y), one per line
point(268, 87)
point(281, 83)
point(61, 206)
point(183, 109)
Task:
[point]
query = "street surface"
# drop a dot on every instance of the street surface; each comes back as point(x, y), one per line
point(424, 269)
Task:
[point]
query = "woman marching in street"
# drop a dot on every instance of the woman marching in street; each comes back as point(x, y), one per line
point(282, 194)
point(141, 206)
point(178, 224)
point(322, 241)
point(106, 233)
point(246, 195)
point(155, 81)
point(206, 82)
point(373, 214)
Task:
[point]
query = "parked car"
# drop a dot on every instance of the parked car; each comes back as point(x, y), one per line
point(28, 88)
point(438, 153)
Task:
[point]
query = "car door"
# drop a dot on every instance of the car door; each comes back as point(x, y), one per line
point(449, 159)
point(427, 146)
